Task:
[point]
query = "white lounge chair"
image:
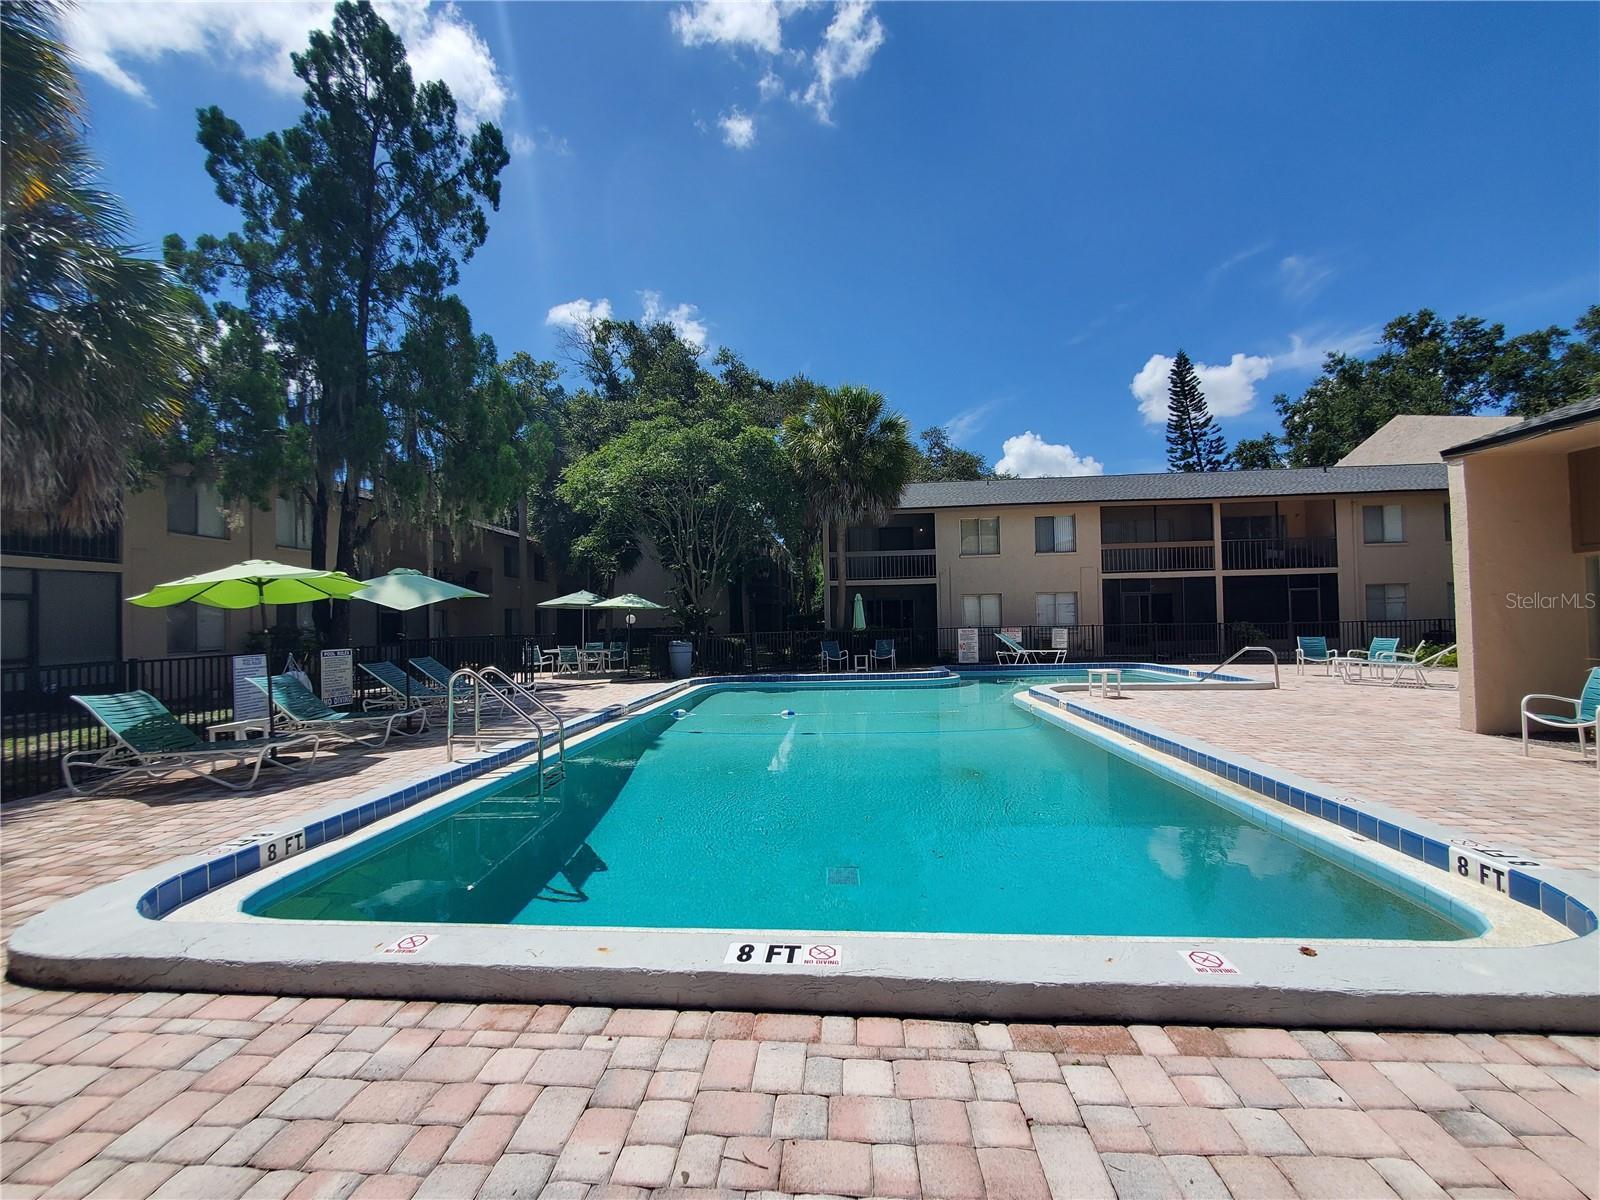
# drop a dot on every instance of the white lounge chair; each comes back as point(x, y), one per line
point(1014, 653)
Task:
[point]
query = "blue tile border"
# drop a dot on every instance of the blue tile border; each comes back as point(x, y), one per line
point(1521, 887)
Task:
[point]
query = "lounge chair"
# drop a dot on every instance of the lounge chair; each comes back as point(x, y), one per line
point(1381, 654)
point(1013, 653)
point(431, 669)
point(403, 690)
point(304, 712)
point(1416, 669)
point(883, 651)
point(830, 654)
point(1313, 651)
point(147, 740)
point(1585, 712)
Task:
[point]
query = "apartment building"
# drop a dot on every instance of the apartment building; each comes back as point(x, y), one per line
point(64, 594)
point(1257, 547)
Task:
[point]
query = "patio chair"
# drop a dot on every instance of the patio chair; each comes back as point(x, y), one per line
point(832, 653)
point(1585, 712)
point(148, 741)
point(403, 690)
point(1382, 653)
point(617, 656)
point(883, 651)
point(568, 660)
point(304, 712)
point(596, 656)
point(1313, 651)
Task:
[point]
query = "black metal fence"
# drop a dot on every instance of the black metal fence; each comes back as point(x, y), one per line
point(800, 650)
point(39, 722)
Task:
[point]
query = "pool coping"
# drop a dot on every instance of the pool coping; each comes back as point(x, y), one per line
point(104, 939)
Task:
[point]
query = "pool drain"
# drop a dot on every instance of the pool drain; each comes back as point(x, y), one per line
point(844, 876)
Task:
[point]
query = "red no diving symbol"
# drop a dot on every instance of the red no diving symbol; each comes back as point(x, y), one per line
point(1204, 958)
point(412, 941)
point(824, 954)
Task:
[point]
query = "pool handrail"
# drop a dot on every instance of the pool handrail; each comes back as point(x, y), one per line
point(1276, 681)
point(485, 678)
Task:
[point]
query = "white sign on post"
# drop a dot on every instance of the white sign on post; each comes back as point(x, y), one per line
point(1061, 638)
point(967, 645)
point(338, 677)
point(248, 700)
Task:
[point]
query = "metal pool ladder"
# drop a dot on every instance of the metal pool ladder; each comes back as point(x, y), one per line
point(1242, 650)
point(505, 692)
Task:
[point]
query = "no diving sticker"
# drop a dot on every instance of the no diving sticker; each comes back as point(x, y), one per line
point(412, 943)
point(1208, 962)
point(781, 955)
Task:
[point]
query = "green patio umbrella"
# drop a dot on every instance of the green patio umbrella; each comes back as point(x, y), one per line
point(579, 600)
point(859, 622)
point(629, 603)
point(403, 589)
point(256, 581)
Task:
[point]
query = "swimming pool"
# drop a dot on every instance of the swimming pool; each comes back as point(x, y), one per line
point(912, 808)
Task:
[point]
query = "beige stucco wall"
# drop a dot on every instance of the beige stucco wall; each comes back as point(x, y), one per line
point(1017, 573)
point(1522, 621)
point(1421, 561)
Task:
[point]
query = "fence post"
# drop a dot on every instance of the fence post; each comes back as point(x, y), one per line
point(130, 679)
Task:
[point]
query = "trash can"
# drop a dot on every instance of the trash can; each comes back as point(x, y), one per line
point(680, 655)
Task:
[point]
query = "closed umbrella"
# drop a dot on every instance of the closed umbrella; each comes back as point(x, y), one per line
point(256, 581)
point(860, 620)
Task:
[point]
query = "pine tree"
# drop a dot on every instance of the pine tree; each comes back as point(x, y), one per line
point(1194, 442)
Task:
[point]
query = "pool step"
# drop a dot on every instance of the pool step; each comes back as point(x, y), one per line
point(554, 774)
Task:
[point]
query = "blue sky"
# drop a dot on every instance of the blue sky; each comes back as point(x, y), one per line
point(1003, 217)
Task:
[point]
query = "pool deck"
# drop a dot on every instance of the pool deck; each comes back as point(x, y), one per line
point(127, 1095)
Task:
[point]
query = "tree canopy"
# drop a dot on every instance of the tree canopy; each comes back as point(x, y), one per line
point(1428, 366)
point(940, 460)
point(353, 225)
point(1194, 443)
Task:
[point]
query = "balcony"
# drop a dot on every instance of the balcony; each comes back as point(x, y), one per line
point(1279, 554)
point(104, 547)
point(1145, 560)
point(880, 566)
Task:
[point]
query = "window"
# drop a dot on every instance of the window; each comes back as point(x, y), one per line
point(1386, 601)
point(538, 566)
point(1447, 520)
point(980, 611)
point(295, 616)
point(193, 506)
point(980, 535)
point(1155, 523)
point(1382, 523)
point(510, 562)
point(195, 629)
point(513, 622)
point(1055, 608)
point(294, 522)
point(1055, 535)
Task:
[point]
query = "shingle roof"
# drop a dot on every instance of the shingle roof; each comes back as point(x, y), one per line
point(1545, 422)
point(1176, 486)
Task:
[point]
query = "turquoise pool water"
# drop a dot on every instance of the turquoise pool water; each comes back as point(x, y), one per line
point(889, 808)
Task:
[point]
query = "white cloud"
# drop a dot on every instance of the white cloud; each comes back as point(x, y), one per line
point(969, 421)
point(540, 142)
point(851, 39)
point(256, 39)
point(1029, 456)
point(685, 318)
point(578, 314)
point(1302, 276)
point(738, 129)
point(1308, 348)
point(1230, 387)
point(770, 85)
point(754, 23)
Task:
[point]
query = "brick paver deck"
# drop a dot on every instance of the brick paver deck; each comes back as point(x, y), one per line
point(125, 1096)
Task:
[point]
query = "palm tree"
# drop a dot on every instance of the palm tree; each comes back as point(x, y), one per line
point(97, 342)
point(854, 457)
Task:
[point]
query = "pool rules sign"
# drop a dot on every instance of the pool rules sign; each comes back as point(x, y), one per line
point(783, 956)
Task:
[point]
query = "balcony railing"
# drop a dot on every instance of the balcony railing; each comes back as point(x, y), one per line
point(885, 565)
point(1279, 554)
point(1142, 560)
point(57, 543)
